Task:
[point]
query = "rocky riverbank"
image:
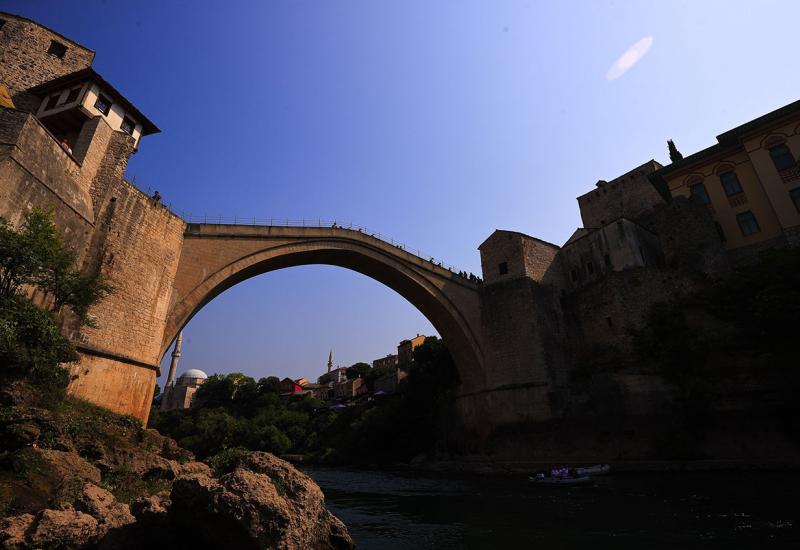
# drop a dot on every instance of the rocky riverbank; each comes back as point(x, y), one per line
point(81, 477)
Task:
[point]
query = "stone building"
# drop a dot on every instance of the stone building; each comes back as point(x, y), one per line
point(389, 383)
point(335, 376)
point(66, 135)
point(181, 394)
point(323, 392)
point(348, 389)
point(389, 362)
point(749, 181)
point(405, 350)
point(546, 308)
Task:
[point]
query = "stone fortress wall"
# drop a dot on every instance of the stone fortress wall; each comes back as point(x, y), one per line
point(581, 300)
point(116, 229)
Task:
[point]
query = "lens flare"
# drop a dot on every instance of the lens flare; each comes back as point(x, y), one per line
point(629, 58)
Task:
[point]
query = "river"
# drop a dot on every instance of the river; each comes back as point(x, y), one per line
point(406, 511)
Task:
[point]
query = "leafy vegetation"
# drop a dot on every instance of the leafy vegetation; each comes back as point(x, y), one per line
point(235, 412)
point(36, 257)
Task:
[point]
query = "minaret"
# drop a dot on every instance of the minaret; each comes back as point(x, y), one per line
point(330, 361)
point(176, 356)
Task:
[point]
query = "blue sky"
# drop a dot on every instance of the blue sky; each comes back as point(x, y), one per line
point(434, 122)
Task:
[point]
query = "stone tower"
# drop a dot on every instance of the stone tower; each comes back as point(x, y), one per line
point(330, 361)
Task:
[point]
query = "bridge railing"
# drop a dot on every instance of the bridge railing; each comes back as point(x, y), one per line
point(321, 223)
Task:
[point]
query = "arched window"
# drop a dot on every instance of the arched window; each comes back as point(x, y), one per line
point(730, 183)
point(698, 190)
point(781, 157)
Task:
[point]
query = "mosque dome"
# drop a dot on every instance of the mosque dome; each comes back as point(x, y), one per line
point(193, 374)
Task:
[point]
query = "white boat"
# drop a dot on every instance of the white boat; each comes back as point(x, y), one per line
point(557, 481)
point(596, 470)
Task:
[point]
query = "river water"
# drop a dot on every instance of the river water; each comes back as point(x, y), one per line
point(399, 510)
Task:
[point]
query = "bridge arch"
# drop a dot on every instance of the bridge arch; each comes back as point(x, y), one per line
point(215, 257)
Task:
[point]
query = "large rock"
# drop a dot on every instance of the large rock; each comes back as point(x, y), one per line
point(69, 466)
point(264, 503)
point(48, 529)
point(95, 513)
point(101, 505)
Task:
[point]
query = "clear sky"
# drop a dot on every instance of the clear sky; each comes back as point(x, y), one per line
point(432, 121)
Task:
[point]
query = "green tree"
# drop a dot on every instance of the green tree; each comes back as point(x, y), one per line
point(270, 384)
point(358, 370)
point(36, 256)
point(674, 154)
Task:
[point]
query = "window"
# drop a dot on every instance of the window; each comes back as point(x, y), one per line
point(128, 125)
point(720, 232)
point(795, 194)
point(503, 268)
point(607, 260)
point(730, 183)
point(2, 22)
point(747, 223)
point(699, 190)
point(610, 322)
point(574, 274)
point(590, 267)
point(103, 104)
point(57, 49)
point(73, 95)
point(781, 157)
point(51, 102)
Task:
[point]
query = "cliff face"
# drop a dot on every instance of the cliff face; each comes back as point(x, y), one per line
point(81, 477)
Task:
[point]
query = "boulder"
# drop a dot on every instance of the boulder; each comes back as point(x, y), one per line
point(48, 529)
point(263, 503)
point(13, 529)
point(151, 509)
point(101, 505)
point(69, 466)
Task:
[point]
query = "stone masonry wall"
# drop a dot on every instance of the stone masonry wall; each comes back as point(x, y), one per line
point(136, 246)
point(628, 196)
point(524, 334)
point(523, 256)
point(600, 315)
point(36, 171)
point(688, 238)
point(132, 241)
point(24, 61)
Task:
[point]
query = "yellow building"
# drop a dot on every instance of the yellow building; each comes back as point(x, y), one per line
point(750, 181)
point(405, 350)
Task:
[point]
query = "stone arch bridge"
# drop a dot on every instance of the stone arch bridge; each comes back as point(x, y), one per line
point(215, 257)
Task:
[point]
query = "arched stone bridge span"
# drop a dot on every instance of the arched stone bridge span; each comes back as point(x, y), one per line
point(214, 257)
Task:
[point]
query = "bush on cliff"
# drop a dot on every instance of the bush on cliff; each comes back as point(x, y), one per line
point(35, 257)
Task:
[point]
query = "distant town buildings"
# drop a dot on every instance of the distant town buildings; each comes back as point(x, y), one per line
point(405, 351)
point(389, 383)
point(388, 362)
point(181, 394)
point(289, 386)
point(349, 389)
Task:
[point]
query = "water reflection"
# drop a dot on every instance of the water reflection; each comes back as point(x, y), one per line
point(397, 510)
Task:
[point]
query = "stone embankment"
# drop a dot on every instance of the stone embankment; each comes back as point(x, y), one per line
point(84, 478)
